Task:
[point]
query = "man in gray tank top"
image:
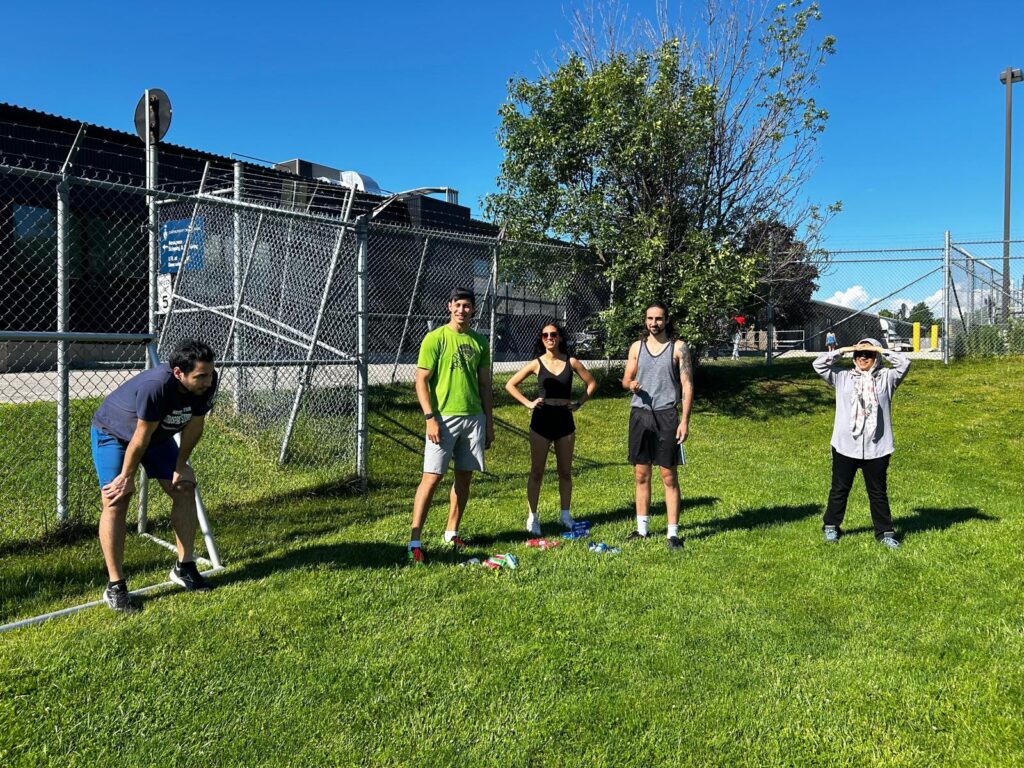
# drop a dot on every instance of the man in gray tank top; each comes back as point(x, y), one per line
point(660, 376)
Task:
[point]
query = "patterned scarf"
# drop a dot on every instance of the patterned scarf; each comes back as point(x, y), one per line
point(863, 403)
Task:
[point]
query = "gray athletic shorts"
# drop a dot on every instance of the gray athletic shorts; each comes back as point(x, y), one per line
point(462, 437)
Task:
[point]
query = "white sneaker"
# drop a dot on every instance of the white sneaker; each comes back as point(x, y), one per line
point(533, 525)
point(567, 520)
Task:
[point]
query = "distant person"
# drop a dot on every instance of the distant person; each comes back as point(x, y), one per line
point(830, 340)
point(862, 431)
point(659, 374)
point(551, 420)
point(136, 425)
point(740, 325)
point(453, 386)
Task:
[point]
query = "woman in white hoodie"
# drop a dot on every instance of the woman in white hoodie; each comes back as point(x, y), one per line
point(862, 432)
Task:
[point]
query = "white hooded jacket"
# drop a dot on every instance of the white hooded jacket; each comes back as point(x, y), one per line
point(880, 442)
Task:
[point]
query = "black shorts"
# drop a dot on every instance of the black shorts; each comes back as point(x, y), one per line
point(552, 422)
point(652, 437)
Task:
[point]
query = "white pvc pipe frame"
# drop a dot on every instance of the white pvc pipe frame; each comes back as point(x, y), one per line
point(204, 526)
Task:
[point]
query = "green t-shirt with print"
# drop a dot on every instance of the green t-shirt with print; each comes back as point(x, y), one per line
point(455, 358)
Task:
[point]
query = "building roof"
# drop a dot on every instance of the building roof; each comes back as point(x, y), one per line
point(41, 140)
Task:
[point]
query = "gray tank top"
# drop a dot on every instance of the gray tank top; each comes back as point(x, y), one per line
point(659, 377)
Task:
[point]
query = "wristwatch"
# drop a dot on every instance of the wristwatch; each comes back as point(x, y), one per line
point(428, 416)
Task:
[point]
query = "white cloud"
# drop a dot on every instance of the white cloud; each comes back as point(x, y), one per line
point(895, 304)
point(854, 297)
point(934, 300)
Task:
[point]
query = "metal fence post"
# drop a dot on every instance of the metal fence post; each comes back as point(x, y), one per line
point(362, 364)
point(972, 287)
point(236, 274)
point(492, 338)
point(153, 227)
point(947, 329)
point(63, 374)
point(284, 279)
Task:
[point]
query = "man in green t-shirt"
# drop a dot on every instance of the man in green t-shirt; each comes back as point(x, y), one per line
point(453, 385)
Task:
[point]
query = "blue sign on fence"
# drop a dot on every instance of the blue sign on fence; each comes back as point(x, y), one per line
point(172, 245)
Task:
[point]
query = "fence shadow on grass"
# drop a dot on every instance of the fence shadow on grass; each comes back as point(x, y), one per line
point(61, 535)
point(927, 519)
point(750, 519)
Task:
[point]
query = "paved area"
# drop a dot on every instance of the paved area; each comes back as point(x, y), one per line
point(40, 387)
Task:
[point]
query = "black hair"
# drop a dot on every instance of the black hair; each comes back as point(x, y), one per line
point(670, 329)
point(188, 352)
point(538, 344)
point(465, 294)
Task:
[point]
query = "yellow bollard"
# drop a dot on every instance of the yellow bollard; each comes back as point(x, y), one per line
point(917, 337)
point(935, 337)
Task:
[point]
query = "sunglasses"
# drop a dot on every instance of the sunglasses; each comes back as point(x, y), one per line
point(549, 334)
point(869, 355)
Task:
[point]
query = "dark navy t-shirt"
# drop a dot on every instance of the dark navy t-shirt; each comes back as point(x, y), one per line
point(152, 395)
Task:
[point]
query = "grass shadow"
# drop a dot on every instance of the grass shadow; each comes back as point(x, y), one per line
point(788, 388)
point(553, 530)
point(62, 535)
point(751, 519)
point(340, 556)
point(931, 519)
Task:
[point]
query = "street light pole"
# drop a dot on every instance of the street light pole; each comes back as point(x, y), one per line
point(1009, 76)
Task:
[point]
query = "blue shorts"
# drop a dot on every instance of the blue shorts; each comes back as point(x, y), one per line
point(108, 455)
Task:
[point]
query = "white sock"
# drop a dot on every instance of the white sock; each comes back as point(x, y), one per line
point(641, 524)
point(673, 531)
point(567, 518)
point(449, 535)
point(532, 521)
point(414, 544)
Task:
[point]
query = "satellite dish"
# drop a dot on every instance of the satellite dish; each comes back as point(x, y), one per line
point(154, 110)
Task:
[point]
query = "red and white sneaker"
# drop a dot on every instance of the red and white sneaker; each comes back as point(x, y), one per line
point(416, 556)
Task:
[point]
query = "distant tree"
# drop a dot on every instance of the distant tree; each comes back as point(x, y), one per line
point(887, 313)
point(787, 273)
point(921, 314)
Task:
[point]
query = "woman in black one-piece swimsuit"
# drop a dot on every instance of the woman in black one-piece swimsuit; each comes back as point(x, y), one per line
point(551, 420)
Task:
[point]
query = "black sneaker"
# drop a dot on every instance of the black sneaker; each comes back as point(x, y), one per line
point(188, 576)
point(636, 536)
point(120, 599)
point(674, 543)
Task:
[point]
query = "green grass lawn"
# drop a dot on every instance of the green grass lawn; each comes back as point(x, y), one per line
point(758, 645)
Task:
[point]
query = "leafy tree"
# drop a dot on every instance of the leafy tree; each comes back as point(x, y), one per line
point(887, 313)
point(922, 314)
point(661, 155)
point(787, 273)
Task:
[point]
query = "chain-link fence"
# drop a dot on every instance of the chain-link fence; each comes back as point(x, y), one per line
point(274, 293)
point(946, 302)
point(985, 298)
point(268, 284)
point(310, 299)
point(306, 296)
point(519, 287)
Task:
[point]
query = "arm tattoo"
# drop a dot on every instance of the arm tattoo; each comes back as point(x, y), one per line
point(685, 365)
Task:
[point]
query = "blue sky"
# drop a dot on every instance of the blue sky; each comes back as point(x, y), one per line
point(408, 93)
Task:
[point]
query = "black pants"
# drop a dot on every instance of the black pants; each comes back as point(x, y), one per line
point(844, 469)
